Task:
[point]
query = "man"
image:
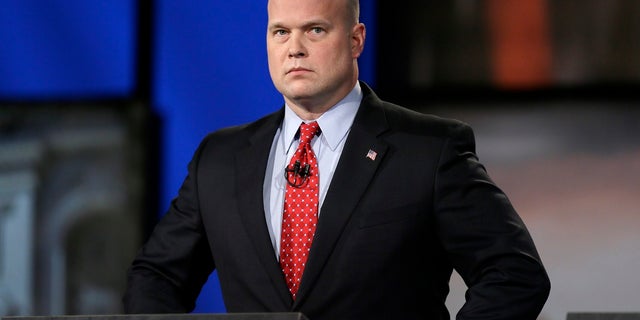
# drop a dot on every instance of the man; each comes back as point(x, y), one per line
point(393, 201)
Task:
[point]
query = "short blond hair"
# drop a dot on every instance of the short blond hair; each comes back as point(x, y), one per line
point(354, 8)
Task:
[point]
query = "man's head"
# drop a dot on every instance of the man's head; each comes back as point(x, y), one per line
point(313, 48)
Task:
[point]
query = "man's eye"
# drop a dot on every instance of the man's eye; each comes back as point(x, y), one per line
point(280, 32)
point(317, 30)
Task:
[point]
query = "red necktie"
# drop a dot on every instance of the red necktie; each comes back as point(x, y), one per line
point(300, 213)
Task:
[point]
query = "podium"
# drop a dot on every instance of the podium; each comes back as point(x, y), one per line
point(189, 316)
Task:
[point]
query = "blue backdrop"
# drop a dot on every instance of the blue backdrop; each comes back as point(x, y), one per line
point(66, 49)
point(210, 68)
point(212, 72)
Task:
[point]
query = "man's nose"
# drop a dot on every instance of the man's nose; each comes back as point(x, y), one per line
point(296, 46)
point(296, 54)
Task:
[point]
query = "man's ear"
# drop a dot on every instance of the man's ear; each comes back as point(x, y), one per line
point(358, 36)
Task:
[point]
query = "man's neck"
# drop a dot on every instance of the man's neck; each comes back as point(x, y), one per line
point(309, 109)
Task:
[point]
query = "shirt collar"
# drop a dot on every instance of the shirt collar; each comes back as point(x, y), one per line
point(334, 123)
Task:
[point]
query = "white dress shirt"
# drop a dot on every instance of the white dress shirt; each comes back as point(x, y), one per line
point(335, 125)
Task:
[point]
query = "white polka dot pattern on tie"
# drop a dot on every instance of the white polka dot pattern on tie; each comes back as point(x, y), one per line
point(300, 214)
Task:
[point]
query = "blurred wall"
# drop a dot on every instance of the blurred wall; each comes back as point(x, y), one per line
point(552, 89)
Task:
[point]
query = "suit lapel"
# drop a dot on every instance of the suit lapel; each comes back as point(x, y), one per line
point(251, 163)
point(361, 156)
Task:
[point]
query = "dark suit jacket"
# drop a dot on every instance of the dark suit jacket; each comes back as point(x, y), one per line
point(390, 230)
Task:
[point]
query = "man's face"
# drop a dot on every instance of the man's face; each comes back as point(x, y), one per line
point(312, 46)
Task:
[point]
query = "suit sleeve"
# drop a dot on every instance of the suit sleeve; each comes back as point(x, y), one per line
point(485, 239)
point(169, 271)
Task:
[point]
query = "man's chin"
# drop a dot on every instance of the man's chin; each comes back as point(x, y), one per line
point(299, 93)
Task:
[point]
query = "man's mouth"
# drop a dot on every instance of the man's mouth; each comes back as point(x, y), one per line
point(297, 70)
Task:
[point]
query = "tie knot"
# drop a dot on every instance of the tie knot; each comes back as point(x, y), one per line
point(307, 131)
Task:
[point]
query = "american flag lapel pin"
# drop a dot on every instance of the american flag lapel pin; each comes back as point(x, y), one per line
point(372, 155)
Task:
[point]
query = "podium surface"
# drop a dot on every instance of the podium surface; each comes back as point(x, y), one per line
point(189, 316)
